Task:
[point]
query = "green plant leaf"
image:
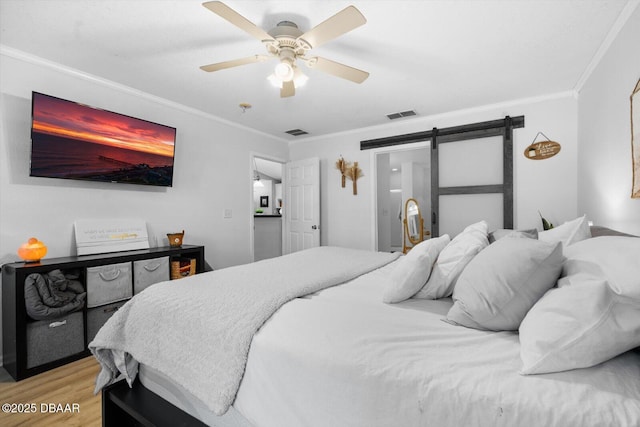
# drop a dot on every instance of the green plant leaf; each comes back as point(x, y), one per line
point(546, 225)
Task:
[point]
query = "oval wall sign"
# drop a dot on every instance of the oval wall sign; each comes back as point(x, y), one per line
point(542, 150)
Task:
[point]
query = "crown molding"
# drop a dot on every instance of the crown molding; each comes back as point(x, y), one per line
point(449, 114)
point(617, 26)
point(38, 61)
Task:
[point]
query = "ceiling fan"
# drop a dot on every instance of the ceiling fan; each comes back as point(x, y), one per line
point(287, 44)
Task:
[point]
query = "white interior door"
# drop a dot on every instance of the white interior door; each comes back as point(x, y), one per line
point(302, 205)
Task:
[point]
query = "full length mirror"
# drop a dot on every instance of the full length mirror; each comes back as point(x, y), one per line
point(413, 225)
point(401, 174)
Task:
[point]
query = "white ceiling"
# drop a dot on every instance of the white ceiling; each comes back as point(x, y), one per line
point(269, 168)
point(429, 56)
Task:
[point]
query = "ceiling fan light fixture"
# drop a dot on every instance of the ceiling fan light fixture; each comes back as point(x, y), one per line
point(287, 43)
point(275, 81)
point(299, 78)
point(284, 71)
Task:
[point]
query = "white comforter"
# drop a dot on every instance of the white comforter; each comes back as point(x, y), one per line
point(341, 357)
point(197, 331)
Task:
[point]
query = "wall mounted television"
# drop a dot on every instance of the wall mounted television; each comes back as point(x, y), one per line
point(75, 141)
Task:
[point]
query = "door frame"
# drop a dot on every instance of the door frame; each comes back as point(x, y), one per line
point(252, 156)
point(374, 182)
point(501, 127)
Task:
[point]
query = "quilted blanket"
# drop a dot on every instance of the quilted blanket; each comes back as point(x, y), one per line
point(197, 330)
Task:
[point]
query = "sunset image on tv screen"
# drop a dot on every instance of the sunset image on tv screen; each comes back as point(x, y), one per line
point(72, 140)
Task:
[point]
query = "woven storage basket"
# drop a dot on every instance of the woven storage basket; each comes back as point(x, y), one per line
point(182, 267)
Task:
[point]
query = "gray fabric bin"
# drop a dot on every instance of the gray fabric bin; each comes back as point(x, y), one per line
point(98, 316)
point(49, 340)
point(108, 283)
point(146, 272)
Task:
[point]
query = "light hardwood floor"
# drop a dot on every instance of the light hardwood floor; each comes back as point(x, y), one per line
point(69, 384)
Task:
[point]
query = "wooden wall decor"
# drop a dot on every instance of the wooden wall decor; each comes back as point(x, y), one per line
point(351, 171)
point(354, 173)
point(635, 140)
point(542, 149)
point(342, 165)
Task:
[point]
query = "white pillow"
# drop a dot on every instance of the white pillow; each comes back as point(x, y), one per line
point(499, 286)
point(615, 257)
point(578, 326)
point(568, 233)
point(453, 259)
point(593, 315)
point(413, 270)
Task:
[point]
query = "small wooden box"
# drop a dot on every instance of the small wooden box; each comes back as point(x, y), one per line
point(182, 267)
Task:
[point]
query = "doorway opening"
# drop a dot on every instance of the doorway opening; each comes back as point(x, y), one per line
point(267, 229)
point(401, 174)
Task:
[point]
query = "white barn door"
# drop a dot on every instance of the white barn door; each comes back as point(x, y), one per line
point(302, 205)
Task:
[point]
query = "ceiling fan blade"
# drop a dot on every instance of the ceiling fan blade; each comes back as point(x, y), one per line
point(337, 69)
point(238, 20)
point(340, 23)
point(288, 89)
point(235, 63)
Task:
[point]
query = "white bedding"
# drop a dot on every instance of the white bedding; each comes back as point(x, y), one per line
point(341, 357)
point(198, 331)
point(182, 399)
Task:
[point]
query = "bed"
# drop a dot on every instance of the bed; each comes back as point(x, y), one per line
point(357, 351)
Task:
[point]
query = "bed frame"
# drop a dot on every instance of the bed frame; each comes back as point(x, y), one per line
point(137, 406)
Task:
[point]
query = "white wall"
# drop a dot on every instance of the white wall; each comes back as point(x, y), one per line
point(211, 171)
point(604, 155)
point(265, 190)
point(547, 185)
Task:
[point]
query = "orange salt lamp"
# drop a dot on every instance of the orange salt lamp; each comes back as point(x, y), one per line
point(32, 251)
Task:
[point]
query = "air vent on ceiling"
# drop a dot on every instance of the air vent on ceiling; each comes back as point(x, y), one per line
point(297, 132)
point(407, 113)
